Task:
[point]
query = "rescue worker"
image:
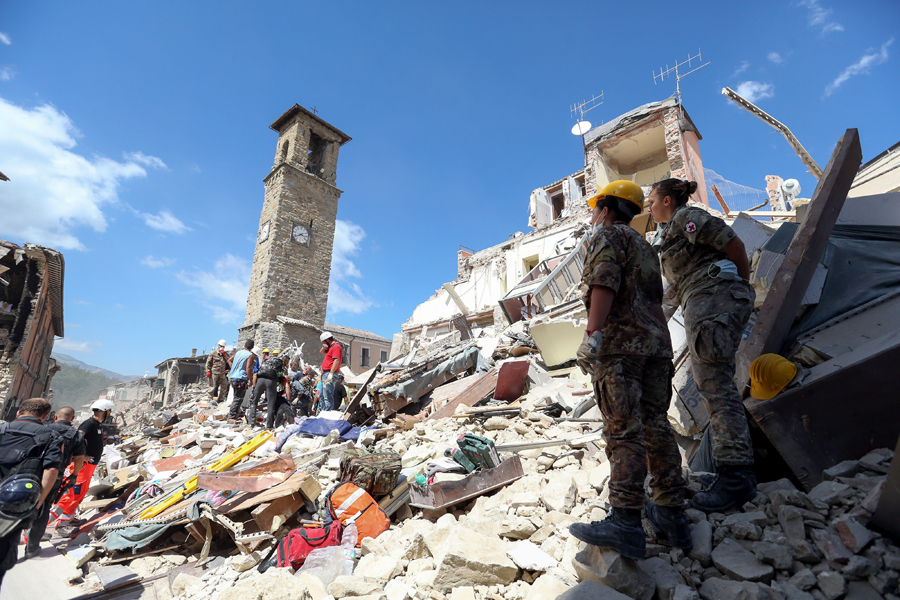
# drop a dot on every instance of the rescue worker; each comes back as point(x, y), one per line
point(266, 381)
point(242, 368)
point(706, 266)
point(218, 363)
point(64, 510)
point(333, 352)
point(73, 451)
point(30, 460)
point(627, 352)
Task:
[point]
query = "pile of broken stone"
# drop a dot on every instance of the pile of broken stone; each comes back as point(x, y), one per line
point(514, 544)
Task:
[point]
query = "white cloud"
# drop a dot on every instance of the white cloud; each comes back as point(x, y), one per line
point(165, 221)
point(223, 290)
point(344, 296)
point(820, 17)
point(4, 39)
point(755, 90)
point(53, 190)
point(70, 345)
point(147, 161)
point(6, 73)
point(775, 58)
point(155, 263)
point(744, 66)
point(861, 66)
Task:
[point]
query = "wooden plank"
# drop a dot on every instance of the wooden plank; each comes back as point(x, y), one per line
point(472, 395)
point(721, 200)
point(801, 259)
point(252, 479)
point(303, 482)
point(272, 515)
point(840, 416)
point(354, 404)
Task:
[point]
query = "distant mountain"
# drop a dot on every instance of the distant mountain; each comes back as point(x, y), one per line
point(76, 387)
point(74, 362)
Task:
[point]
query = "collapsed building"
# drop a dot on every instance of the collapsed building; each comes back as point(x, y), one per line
point(190, 506)
point(31, 317)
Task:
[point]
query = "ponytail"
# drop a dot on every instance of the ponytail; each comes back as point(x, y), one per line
point(678, 189)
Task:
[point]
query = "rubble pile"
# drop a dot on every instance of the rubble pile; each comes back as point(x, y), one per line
point(515, 545)
point(506, 540)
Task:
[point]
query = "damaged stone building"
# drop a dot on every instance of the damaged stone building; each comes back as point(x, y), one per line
point(521, 277)
point(292, 261)
point(31, 317)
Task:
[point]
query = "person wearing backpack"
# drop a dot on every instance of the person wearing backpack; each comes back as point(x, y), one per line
point(73, 452)
point(266, 380)
point(64, 510)
point(30, 460)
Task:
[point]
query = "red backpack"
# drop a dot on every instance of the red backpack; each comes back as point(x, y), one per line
point(298, 543)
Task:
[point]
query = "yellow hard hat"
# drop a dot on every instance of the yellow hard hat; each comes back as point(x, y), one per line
point(769, 374)
point(266, 351)
point(626, 190)
point(276, 351)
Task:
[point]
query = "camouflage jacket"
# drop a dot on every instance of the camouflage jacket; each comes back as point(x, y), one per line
point(217, 363)
point(691, 243)
point(621, 260)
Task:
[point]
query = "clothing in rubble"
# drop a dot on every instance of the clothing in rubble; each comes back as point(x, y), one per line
point(632, 380)
point(716, 312)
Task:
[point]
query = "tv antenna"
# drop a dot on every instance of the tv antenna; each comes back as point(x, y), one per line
point(678, 75)
point(581, 126)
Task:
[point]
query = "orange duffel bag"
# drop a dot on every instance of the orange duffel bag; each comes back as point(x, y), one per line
point(349, 503)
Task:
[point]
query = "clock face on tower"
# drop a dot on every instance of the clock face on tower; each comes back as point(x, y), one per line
point(300, 234)
point(264, 231)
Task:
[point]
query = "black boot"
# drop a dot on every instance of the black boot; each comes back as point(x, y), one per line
point(734, 486)
point(671, 522)
point(621, 531)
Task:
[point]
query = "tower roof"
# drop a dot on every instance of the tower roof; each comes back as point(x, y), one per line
point(294, 110)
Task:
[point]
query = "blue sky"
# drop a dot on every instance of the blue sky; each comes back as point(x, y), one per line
point(136, 134)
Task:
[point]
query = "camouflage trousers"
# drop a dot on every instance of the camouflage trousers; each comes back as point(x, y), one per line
point(633, 393)
point(714, 320)
point(218, 386)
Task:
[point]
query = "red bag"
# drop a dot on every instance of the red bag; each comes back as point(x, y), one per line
point(298, 543)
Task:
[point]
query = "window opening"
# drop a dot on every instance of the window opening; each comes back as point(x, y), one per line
point(383, 357)
point(315, 159)
point(364, 357)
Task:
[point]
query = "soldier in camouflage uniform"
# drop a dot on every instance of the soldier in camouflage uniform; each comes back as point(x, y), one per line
point(628, 354)
point(218, 363)
point(706, 265)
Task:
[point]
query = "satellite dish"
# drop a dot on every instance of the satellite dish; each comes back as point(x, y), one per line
point(790, 188)
point(581, 128)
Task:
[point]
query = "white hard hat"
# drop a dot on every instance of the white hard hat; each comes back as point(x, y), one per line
point(257, 351)
point(103, 405)
point(222, 342)
point(325, 335)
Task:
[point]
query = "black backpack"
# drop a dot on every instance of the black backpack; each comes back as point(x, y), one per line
point(271, 368)
point(16, 458)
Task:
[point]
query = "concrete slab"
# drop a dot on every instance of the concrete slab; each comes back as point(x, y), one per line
point(49, 569)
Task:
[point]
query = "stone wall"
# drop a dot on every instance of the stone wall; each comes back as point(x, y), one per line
point(673, 143)
point(290, 277)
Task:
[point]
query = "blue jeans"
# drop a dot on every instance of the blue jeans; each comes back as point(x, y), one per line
point(328, 391)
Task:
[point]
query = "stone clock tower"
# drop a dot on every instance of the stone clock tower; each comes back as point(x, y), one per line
point(292, 261)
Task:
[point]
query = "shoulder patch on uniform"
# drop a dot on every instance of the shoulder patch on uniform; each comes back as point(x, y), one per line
point(690, 227)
